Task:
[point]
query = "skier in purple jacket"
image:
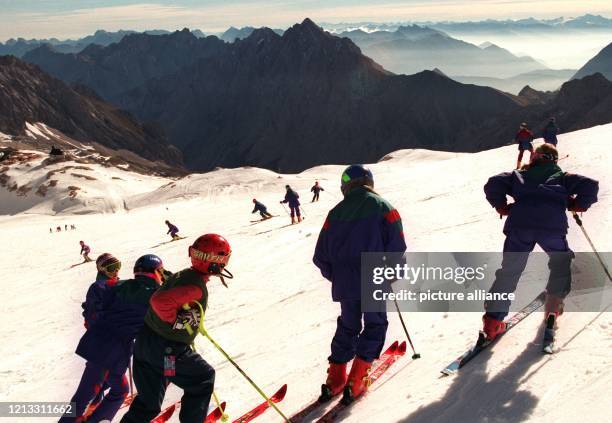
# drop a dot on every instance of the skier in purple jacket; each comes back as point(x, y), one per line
point(542, 193)
point(172, 230)
point(293, 199)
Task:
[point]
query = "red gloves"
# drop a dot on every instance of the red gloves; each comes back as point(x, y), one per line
point(572, 205)
point(505, 210)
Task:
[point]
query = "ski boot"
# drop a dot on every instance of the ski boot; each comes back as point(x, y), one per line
point(299, 219)
point(336, 380)
point(552, 310)
point(293, 220)
point(358, 380)
point(491, 329)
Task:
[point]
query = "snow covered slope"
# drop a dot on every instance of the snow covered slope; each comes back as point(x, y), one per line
point(277, 318)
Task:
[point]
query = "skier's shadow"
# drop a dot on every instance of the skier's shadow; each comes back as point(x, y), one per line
point(474, 397)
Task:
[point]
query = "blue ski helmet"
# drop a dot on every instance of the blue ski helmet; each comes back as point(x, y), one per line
point(356, 175)
point(148, 263)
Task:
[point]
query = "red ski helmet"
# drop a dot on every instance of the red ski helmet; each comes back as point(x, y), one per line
point(254, 200)
point(210, 253)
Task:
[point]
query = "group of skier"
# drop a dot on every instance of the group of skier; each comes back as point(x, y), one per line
point(292, 199)
point(524, 138)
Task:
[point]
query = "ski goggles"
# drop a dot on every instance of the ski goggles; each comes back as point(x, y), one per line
point(113, 267)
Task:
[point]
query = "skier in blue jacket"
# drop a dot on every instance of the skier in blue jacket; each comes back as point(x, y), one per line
point(551, 130)
point(108, 267)
point(262, 209)
point(542, 193)
point(362, 222)
point(293, 199)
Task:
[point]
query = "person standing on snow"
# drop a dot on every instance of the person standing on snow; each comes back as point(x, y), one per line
point(551, 130)
point(107, 344)
point(262, 209)
point(362, 222)
point(172, 230)
point(85, 250)
point(292, 198)
point(163, 353)
point(541, 192)
point(523, 138)
point(108, 267)
point(316, 189)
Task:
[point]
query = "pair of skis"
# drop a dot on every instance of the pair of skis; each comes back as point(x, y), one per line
point(386, 360)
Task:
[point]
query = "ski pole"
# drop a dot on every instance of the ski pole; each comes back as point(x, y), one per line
point(224, 415)
point(399, 313)
point(131, 378)
point(203, 331)
point(586, 235)
point(285, 208)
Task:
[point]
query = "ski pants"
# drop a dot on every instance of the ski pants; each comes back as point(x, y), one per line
point(519, 243)
point(93, 381)
point(173, 233)
point(295, 210)
point(264, 214)
point(522, 148)
point(192, 374)
point(357, 333)
point(315, 196)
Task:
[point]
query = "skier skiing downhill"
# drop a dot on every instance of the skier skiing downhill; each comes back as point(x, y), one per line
point(85, 250)
point(163, 353)
point(293, 199)
point(107, 344)
point(262, 209)
point(541, 192)
point(108, 267)
point(362, 222)
point(551, 130)
point(172, 230)
point(316, 189)
point(523, 138)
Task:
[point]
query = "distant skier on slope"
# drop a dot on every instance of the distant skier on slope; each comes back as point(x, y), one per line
point(362, 222)
point(262, 209)
point(293, 199)
point(85, 250)
point(107, 345)
point(541, 192)
point(163, 353)
point(108, 267)
point(316, 189)
point(172, 230)
point(523, 138)
point(551, 130)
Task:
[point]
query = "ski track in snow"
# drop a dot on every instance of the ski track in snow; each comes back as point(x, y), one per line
point(277, 318)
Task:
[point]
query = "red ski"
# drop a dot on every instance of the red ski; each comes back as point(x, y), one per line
point(165, 415)
point(384, 365)
point(315, 405)
point(92, 407)
point(261, 408)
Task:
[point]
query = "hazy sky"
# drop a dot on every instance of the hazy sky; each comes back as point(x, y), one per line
point(75, 18)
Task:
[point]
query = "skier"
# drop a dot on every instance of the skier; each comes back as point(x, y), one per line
point(551, 130)
point(292, 198)
point(107, 344)
point(85, 250)
point(172, 230)
point(523, 138)
point(316, 189)
point(108, 267)
point(362, 222)
point(163, 353)
point(541, 192)
point(262, 209)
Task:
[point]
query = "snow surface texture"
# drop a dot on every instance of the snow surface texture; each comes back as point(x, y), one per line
point(277, 318)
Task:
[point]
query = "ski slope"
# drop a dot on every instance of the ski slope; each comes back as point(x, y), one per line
point(277, 318)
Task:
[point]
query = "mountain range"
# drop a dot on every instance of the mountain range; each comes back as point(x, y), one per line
point(601, 63)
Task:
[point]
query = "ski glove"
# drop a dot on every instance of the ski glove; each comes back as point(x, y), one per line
point(572, 205)
point(505, 210)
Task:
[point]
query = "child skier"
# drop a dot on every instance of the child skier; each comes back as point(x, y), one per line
point(85, 250)
point(541, 192)
point(107, 344)
point(316, 189)
point(262, 209)
point(362, 222)
point(163, 353)
point(523, 138)
point(172, 230)
point(108, 267)
point(292, 198)
point(551, 130)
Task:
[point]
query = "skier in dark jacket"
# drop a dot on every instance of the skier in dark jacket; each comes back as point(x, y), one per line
point(107, 344)
point(551, 130)
point(163, 353)
point(292, 198)
point(108, 268)
point(172, 230)
point(523, 138)
point(316, 189)
point(85, 250)
point(262, 209)
point(362, 222)
point(542, 193)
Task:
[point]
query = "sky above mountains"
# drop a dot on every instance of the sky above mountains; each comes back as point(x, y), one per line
point(76, 18)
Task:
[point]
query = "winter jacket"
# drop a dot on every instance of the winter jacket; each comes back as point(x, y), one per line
point(94, 298)
point(540, 195)
point(85, 249)
point(171, 228)
point(183, 287)
point(316, 189)
point(292, 198)
point(524, 137)
point(550, 133)
point(362, 222)
point(259, 207)
point(109, 340)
